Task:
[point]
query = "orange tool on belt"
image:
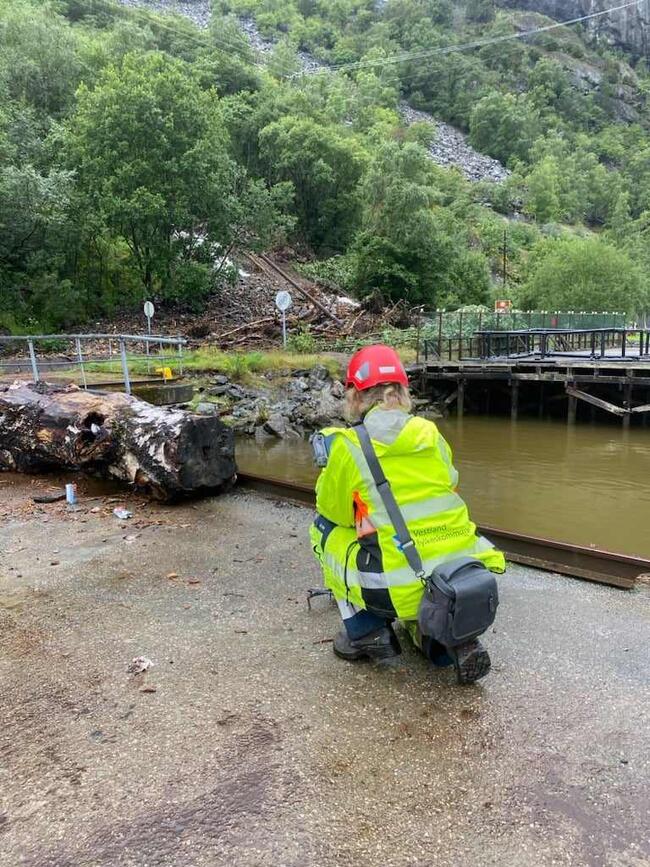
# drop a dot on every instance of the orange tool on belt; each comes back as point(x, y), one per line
point(361, 516)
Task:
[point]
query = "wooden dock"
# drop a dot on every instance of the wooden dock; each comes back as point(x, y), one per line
point(573, 386)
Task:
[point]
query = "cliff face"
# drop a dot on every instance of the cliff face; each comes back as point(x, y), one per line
point(628, 29)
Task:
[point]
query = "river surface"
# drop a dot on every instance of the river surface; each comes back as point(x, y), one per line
point(589, 485)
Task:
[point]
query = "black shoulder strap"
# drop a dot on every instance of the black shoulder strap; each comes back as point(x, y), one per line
point(388, 498)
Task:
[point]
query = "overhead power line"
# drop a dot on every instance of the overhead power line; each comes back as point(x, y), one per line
point(153, 16)
point(466, 46)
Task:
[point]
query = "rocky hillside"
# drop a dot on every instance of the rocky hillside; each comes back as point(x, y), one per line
point(326, 139)
point(627, 28)
point(449, 147)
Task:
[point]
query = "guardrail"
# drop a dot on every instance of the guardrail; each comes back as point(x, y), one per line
point(596, 343)
point(107, 349)
point(591, 344)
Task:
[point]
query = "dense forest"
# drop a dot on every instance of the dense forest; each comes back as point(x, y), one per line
point(138, 151)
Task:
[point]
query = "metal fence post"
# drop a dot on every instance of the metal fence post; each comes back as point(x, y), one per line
point(32, 358)
point(80, 359)
point(125, 367)
point(180, 356)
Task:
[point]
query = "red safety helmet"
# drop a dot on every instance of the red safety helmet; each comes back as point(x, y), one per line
point(374, 365)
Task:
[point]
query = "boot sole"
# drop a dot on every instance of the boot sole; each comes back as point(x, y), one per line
point(379, 656)
point(473, 667)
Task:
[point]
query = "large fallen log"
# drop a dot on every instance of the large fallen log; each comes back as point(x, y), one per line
point(167, 453)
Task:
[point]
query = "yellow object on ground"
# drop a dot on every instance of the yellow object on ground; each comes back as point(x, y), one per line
point(165, 372)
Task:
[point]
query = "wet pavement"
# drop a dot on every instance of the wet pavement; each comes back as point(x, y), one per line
point(258, 746)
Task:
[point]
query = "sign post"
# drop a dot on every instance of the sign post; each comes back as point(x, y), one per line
point(283, 302)
point(149, 311)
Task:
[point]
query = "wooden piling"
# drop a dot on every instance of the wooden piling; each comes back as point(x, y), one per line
point(573, 406)
point(514, 400)
point(627, 418)
point(460, 401)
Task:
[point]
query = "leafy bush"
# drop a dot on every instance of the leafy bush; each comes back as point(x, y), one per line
point(192, 283)
point(504, 126)
point(301, 340)
point(583, 274)
point(336, 273)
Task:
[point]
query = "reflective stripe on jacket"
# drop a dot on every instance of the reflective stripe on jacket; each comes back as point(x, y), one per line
point(367, 568)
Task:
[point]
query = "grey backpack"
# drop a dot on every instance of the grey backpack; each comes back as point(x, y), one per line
point(460, 597)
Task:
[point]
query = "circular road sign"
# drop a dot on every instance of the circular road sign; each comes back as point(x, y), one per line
point(149, 309)
point(283, 301)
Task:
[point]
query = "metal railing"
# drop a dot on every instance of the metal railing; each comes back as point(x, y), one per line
point(466, 321)
point(38, 353)
point(587, 343)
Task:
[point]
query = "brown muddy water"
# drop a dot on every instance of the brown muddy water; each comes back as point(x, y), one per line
point(589, 485)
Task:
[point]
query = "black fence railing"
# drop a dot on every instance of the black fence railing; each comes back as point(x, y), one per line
point(468, 320)
point(586, 343)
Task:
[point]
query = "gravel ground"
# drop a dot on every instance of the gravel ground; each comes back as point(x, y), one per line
point(198, 11)
point(258, 746)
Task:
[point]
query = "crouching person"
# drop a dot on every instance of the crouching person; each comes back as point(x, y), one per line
point(388, 516)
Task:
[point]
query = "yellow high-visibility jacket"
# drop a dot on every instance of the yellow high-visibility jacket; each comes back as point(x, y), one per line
point(352, 535)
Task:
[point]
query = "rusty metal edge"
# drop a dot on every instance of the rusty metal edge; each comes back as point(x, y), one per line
point(575, 561)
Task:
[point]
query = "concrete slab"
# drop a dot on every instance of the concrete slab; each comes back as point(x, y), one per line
point(258, 746)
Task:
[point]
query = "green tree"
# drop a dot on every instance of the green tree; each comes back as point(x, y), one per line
point(543, 191)
point(39, 57)
point(152, 156)
point(583, 274)
point(480, 11)
point(411, 247)
point(324, 165)
point(504, 126)
point(33, 207)
point(620, 222)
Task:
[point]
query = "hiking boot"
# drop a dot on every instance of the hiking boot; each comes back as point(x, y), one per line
point(472, 661)
point(381, 646)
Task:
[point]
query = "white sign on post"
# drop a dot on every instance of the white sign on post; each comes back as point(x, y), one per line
point(283, 302)
point(149, 311)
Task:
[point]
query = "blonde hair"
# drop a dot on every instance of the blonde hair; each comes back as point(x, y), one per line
point(391, 395)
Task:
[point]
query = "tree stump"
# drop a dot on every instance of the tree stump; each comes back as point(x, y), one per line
point(165, 452)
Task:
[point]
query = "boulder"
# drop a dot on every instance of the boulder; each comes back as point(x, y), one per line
point(298, 387)
point(279, 426)
point(319, 374)
point(236, 392)
point(207, 409)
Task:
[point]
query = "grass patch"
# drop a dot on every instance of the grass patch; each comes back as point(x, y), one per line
point(237, 366)
point(244, 366)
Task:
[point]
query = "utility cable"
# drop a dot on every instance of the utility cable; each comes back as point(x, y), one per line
point(452, 49)
point(153, 16)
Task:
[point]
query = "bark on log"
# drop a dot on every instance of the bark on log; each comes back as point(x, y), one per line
point(167, 453)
